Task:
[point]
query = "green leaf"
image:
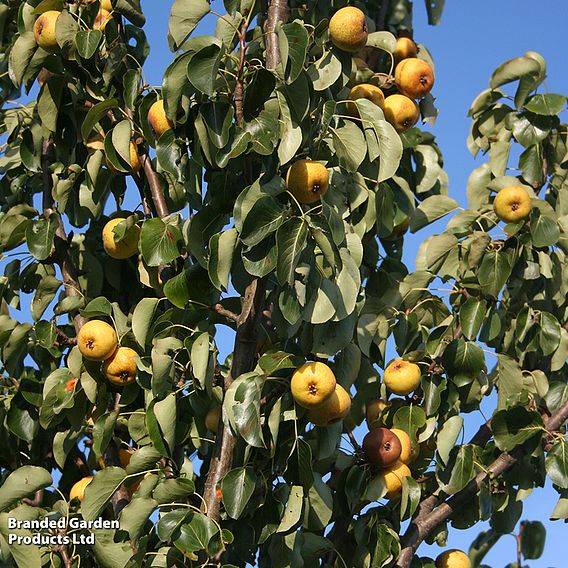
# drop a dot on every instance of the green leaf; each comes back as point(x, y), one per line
point(221, 251)
point(515, 426)
point(549, 333)
point(131, 9)
point(184, 17)
point(103, 431)
point(382, 40)
point(293, 39)
point(557, 464)
point(97, 307)
point(515, 69)
point(87, 42)
point(447, 437)
point(509, 379)
point(547, 105)
point(20, 56)
point(142, 318)
point(293, 511)
point(100, 490)
point(410, 498)
point(160, 242)
point(410, 419)
point(291, 240)
point(135, 515)
point(544, 231)
point(350, 146)
point(533, 538)
point(40, 236)
point(472, 316)
point(434, 9)
point(494, 272)
point(431, 209)
point(459, 471)
point(200, 357)
point(203, 68)
point(173, 490)
point(94, 115)
point(49, 102)
point(196, 534)
point(325, 72)
point(237, 488)
point(23, 482)
point(265, 216)
point(218, 118)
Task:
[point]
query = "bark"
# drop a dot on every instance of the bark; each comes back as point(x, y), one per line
point(277, 14)
point(156, 192)
point(243, 362)
point(430, 514)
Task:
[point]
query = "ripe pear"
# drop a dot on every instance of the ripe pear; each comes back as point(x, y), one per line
point(512, 204)
point(392, 478)
point(120, 368)
point(403, 113)
point(78, 490)
point(402, 377)
point(307, 180)
point(414, 78)
point(106, 5)
point(124, 248)
point(453, 558)
point(333, 409)
point(312, 384)
point(212, 418)
point(348, 29)
point(382, 448)
point(365, 91)
point(373, 412)
point(44, 31)
point(97, 340)
point(157, 118)
point(102, 19)
point(405, 48)
point(408, 451)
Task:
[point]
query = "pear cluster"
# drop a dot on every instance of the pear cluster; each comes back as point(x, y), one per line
point(315, 388)
point(97, 341)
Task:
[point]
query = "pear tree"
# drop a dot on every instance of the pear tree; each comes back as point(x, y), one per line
point(260, 197)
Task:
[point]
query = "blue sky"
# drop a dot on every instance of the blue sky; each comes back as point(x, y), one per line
point(471, 41)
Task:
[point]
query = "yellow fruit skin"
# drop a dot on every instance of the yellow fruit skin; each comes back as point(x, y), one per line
point(348, 29)
point(414, 78)
point(408, 453)
point(333, 409)
point(512, 204)
point(106, 5)
point(402, 377)
point(392, 478)
point(365, 91)
point(405, 48)
point(44, 31)
point(307, 180)
point(124, 248)
point(120, 368)
point(157, 118)
point(403, 113)
point(97, 340)
point(312, 384)
point(453, 559)
point(212, 419)
point(78, 490)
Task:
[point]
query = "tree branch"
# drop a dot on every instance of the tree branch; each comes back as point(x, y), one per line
point(62, 256)
point(277, 14)
point(239, 87)
point(429, 517)
point(219, 309)
point(243, 362)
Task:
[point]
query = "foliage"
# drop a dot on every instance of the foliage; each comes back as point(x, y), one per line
point(222, 243)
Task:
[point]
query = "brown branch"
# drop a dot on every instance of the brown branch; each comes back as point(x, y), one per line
point(244, 356)
point(219, 309)
point(427, 519)
point(239, 87)
point(62, 549)
point(155, 186)
point(62, 255)
point(277, 14)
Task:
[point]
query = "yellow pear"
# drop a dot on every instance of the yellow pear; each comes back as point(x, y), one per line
point(120, 368)
point(312, 384)
point(348, 29)
point(97, 340)
point(405, 48)
point(373, 412)
point(365, 91)
point(135, 163)
point(124, 248)
point(409, 451)
point(333, 409)
point(44, 31)
point(307, 180)
point(212, 418)
point(402, 377)
point(512, 204)
point(453, 559)
point(102, 19)
point(106, 5)
point(392, 478)
point(78, 490)
point(403, 113)
point(157, 118)
point(414, 78)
